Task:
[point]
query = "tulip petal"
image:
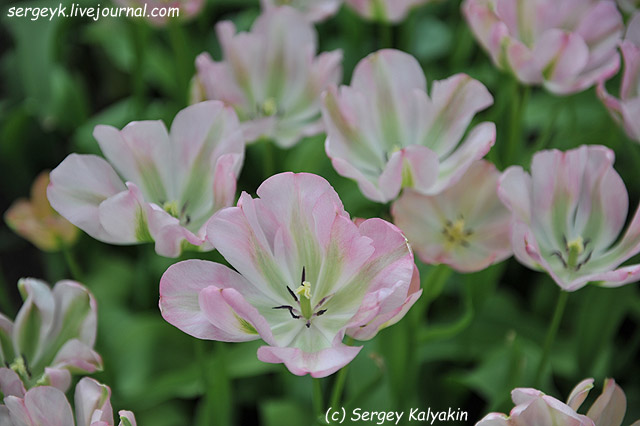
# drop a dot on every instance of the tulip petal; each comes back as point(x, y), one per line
point(124, 216)
point(41, 406)
point(35, 319)
point(141, 153)
point(91, 396)
point(235, 318)
point(579, 394)
point(78, 185)
point(319, 364)
point(610, 407)
point(180, 287)
point(10, 383)
point(454, 103)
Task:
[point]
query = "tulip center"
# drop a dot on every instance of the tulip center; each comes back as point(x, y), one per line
point(573, 251)
point(456, 234)
point(173, 208)
point(19, 365)
point(302, 297)
point(269, 107)
point(304, 291)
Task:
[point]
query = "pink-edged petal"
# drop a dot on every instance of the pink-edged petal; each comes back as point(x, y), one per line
point(610, 407)
point(579, 394)
point(71, 296)
point(454, 103)
point(5, 417)
point(201, 135)
point(385, 78)
point(227, 169)
point(318, 364)
point(124, 216)
point(141, 152)
point(218, 82)
point(413, 167)
point(128, 415)
point(78, 185)
point(78, 357)
point(515, 191)
point(92, 398)
point(10, 383)
point(494, 419)
point(35, 318)
point(59, 378)
point(180, 287)
point(41, 406)
point(169, 234)
point(475, 146)
point(236, 320)
point(630, 113)
point(561, 55)
point(384, 307)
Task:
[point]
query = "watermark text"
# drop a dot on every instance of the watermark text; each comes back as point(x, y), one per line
point(95, 13)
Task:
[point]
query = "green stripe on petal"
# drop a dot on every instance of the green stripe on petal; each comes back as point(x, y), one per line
point(142, 227)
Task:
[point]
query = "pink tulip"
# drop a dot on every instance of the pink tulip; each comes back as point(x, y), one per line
point(465, 226)
point(36, 221)
point(384, 10)
point(626, 110)
point(565, 45)
point(313, 10)
point(386, 133)
point(534, 408)
point(174, 181)
point(271, 76)
point(307, 275)
point(48, 406)
point(52, 337)
point(567, 217)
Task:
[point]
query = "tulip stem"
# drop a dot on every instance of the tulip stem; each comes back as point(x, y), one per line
point(551, 335)
point(520, 98)
point(72, 264)
point(338, 386)
point(139, 31)
point(386, 36)
point(178, 45)
point(318, 400)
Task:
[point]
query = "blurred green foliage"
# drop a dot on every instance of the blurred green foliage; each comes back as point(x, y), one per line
point(469, 340)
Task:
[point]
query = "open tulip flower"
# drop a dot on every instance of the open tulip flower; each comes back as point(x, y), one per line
point(271, 76)
point(51, 338)
point(392, 11)
point(174, 181)
point(534, 408)
point(48, 406)
point(313, 10)
point(565, 45)
point(306, 276)
point(36, 220)
point(465, 226)
point(626, 110)
point(567, 217)
point(385, 132)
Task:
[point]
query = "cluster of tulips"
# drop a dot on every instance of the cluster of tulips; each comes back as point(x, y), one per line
point(306, 276)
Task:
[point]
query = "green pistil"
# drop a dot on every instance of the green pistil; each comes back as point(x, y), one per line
point(20, 367)
point(575, 248)
point(269, 107)
point(304, 291)
point(172, 208)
